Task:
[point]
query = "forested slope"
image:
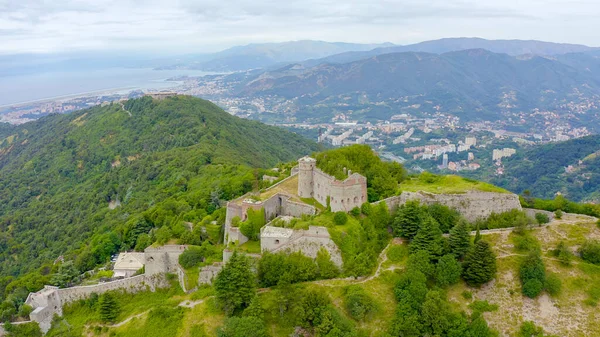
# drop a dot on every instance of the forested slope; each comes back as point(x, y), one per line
point(571, 168)
point(176, 159)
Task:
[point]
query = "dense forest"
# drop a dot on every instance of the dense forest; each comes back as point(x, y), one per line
point(86, 185)
point(544, 170)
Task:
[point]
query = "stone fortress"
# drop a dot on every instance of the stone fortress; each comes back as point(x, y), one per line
point(281, 202)
point(157, 262)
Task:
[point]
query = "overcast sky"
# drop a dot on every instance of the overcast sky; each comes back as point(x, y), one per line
point(182, 26)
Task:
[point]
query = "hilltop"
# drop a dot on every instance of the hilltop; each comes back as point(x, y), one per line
point(76, 185)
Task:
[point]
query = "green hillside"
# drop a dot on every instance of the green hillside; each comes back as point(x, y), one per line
point(177, 160)
point(543, 170)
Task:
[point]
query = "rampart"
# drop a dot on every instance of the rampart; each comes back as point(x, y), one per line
point(158, 261)
point(308, 242)
point(344, 195)
point(472, 205)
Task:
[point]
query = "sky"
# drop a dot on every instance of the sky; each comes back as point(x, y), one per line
point(201, 26)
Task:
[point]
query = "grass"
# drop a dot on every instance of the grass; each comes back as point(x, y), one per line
point(251, 247)
point(315, 203)
point(191, 278)
point(450, 184)
point(289, 186)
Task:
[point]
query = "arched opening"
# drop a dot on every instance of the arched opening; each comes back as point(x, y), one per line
point(355, 200)
point(276, 242)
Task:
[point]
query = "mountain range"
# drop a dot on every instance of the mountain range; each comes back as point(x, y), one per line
point(474, 83)
point(267, 55)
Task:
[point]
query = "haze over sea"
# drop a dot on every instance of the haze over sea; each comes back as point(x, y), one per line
point(48, 85)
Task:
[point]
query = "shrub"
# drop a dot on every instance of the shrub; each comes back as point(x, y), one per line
point(532, 288)
point(191, 257)
point(358, 303)
point(590, 251)
point(553, 285)
point(467, 295)
point(542, 218)
point(340, 218)
point(526, 242)
point(533, 274)
point(355, 211)
point(563, 253)
point(243, 326)
point(558, 214)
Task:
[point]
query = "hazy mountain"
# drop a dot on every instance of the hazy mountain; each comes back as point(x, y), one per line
point(511, 47)
point(263, 55)
point(473, 81)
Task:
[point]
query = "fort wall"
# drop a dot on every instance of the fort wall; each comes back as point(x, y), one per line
point(472, 205)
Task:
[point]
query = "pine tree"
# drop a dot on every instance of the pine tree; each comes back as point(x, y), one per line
point(477, 235)
point(408, 220)
point(235, 284)
point(479, 266)
point(108, 307)
point(429, 238)
point(459, 239)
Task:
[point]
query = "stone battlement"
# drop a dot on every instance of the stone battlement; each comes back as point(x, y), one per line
point(343, 195)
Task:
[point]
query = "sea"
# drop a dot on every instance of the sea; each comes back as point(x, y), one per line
point(29, 88)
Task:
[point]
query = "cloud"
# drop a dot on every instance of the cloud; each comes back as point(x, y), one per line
point(206, 25)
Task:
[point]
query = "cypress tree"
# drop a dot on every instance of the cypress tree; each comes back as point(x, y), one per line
point(429, 238)
point(459, 239)
point(408, 220)
point(479, 266)
point(108, 307)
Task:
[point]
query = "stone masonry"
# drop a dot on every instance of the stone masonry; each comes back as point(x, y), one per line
point(343, 195)
point(472, 205)
point(158, 261)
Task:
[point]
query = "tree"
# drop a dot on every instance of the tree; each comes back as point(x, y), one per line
point(340, 218)
point(255, 309)
point(191, 257)
point(444, 215)
point(108, 307)
point(408, 220)
point(447, 271)
point(429, 238)
point(459, 239)
point(242, 327)
point(235, 285)
point(435, 313)
point(66, 274)
point(479, 266)
point(326, 268)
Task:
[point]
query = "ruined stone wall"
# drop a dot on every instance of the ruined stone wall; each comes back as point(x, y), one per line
point(50, 300)
point(472, 205)
point(310, 241)
point(208, 273)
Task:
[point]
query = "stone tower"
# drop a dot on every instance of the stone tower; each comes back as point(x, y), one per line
point(306, 166)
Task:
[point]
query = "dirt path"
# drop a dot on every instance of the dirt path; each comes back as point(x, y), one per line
point(116, 325)
point(191, 304)
point(123, 107)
